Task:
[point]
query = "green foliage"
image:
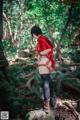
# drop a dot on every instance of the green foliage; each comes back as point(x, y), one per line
point(18, 98)
point(48, 14)
point(51, 16)
point(75, 55)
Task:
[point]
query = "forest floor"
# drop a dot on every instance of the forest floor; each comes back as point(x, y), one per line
point(26, 78)
point(70, 107)
point(63, 114)
point(65, 111)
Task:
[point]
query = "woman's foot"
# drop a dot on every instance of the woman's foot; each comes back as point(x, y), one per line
point(46, 106)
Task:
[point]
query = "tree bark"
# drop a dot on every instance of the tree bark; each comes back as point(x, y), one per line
point(1, 20)
point(9, 28)
point(3, 61)
point(64, 30)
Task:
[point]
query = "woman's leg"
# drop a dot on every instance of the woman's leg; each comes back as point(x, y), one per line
point(46, 92)
point(46, 86)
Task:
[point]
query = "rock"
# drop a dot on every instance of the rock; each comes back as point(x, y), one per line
point(39, 115)
point(23, 53)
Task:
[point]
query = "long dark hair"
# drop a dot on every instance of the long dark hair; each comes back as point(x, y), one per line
point(36, 30)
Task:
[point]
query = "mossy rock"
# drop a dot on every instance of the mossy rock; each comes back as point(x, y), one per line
point(39, 115)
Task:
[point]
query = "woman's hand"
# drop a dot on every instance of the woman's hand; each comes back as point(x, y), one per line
point(45, 52)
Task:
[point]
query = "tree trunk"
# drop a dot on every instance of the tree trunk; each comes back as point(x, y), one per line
point(9, 27)
point(3, 61)
point(64, 30)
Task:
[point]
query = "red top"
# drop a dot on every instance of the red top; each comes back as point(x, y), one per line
point(43, 44)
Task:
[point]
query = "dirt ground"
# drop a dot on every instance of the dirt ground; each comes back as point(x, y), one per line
point(64, 114)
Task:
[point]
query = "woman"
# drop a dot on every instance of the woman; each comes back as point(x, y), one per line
point(45, 63)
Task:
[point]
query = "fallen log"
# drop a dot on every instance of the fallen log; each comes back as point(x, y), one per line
point(78, 105)
point(67, 110)
point(70, 87)
point(29, 75)
point(30, 82)
point(72, 109)
point(74, 64)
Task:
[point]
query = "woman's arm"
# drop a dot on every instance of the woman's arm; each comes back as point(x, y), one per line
point(45, 52)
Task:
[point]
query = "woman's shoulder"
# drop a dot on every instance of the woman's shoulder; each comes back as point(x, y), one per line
point(43, 38)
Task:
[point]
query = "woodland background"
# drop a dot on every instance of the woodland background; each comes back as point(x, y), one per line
point(20, 84)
